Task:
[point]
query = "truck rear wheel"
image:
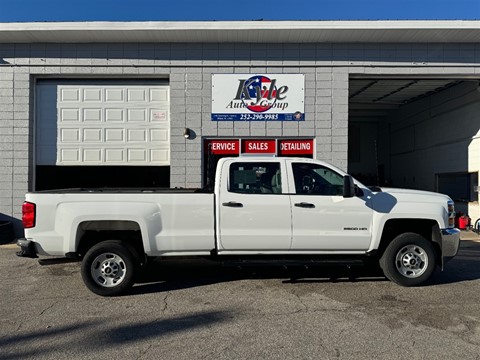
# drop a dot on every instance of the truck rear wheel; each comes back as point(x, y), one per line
point(409, 260)
point(109, 268)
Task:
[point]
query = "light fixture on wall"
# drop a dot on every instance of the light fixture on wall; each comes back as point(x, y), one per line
point(187, 134)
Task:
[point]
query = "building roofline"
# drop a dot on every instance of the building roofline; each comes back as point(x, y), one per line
point(380, 31)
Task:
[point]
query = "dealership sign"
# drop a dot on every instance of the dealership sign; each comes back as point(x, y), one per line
point(262, 146)
point(247, 97)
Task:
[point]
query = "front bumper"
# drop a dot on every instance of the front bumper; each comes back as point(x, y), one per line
point(27, 248)
point(450, 243)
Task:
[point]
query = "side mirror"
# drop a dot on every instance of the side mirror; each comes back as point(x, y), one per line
point(348, 187)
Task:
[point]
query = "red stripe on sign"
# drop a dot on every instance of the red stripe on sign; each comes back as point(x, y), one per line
point(223, 147)
point(258, 147)
point(295, 147)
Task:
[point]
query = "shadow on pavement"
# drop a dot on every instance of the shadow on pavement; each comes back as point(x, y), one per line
point(87, 337)
point(464, 267)
point(170, 275)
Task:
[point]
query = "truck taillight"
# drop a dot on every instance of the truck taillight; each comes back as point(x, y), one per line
point(28, 214)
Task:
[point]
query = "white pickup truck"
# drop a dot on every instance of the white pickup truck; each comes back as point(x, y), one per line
point(269, 208)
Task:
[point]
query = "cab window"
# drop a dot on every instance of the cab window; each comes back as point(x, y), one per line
point(314, 179)
point(255, 178)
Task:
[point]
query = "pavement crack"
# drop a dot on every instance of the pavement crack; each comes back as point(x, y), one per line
point(165, 302)
point(301, 302)
point(47, 308)
point(19, 327)
point(144, 352)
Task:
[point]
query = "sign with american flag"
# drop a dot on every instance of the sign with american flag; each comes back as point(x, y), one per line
point(248, 97)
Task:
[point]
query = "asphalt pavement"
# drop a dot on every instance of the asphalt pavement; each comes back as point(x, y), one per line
point(201, 310)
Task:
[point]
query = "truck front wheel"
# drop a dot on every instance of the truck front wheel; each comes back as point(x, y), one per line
point(109, 268)
point(408, 260)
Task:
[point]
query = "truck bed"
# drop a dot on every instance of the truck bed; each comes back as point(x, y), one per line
point(171, 221)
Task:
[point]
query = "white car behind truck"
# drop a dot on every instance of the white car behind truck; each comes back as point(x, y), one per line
point(260, 208)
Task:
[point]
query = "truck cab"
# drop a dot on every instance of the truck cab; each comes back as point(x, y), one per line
point(295, 205)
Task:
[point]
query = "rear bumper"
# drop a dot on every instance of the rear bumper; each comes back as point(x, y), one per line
point(27, 248)
point(450, 243)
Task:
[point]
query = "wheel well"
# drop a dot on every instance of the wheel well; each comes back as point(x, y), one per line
point(90, 233)
point(424, 227)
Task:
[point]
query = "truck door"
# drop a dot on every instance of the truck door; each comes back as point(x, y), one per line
point(253, 212)
point(322, 218)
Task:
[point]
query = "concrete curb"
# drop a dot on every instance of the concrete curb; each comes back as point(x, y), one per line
point(9, 246)
point(469, 235)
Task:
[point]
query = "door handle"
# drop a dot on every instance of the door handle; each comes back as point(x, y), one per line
point(233, 204)
point(305, 205)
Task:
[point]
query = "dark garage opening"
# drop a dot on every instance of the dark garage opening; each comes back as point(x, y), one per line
point(391, 118)
point(67, 177)
point(414, 133)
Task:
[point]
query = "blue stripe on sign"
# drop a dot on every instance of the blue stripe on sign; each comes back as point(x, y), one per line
point(258, 117)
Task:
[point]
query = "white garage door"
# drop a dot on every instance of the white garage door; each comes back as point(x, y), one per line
point(103, 124)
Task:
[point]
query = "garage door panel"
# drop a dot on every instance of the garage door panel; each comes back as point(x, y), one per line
point(92, 156)
point(93, 135)
point(137, 135)
point(114, 135)
point(136, 95)
point(95, 115)
point(70, 135)
point(69, 94)
point(69, 115)
point(92, 95)
point(110, 125)
point(114, 115)
point(69, 155)
point(160, 95)
point(99, 156)
point(137, 155)
point(115, 155)
point(136, 115)
point(113, 95)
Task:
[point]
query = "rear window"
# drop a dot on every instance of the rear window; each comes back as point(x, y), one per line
point(255, 178)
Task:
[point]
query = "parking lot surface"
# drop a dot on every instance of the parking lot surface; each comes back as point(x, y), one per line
point(201, 310)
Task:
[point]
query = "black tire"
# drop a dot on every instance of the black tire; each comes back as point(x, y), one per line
point(409, 260)
point(109, 268)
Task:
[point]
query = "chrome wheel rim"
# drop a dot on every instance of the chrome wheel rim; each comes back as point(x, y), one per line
point(411, 261)
point(108, 270)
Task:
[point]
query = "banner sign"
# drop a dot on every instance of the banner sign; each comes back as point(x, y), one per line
point(247, 97)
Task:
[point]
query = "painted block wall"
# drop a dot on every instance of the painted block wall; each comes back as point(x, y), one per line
point(189, 67)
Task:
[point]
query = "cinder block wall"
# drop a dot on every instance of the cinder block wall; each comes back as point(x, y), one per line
point(327, 68)
point(326, 113)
